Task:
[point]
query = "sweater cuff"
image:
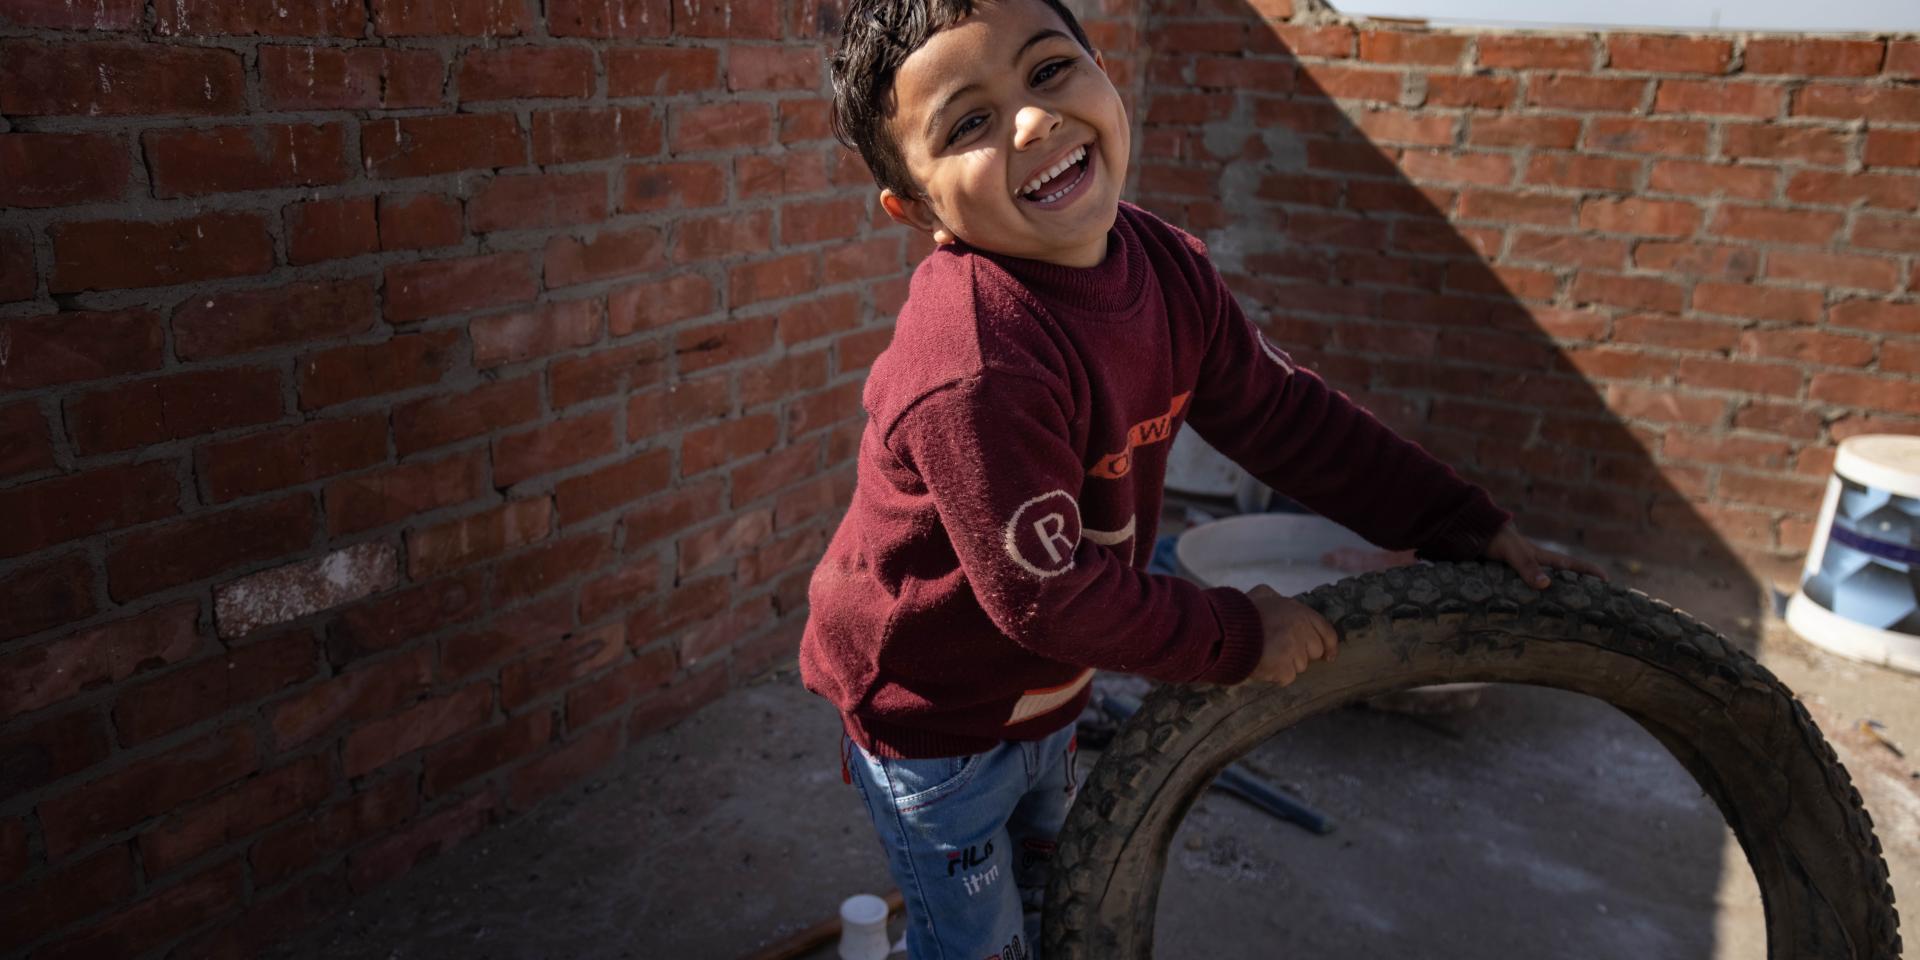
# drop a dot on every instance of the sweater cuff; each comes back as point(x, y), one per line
point(1242, 640)
point(1465, 535)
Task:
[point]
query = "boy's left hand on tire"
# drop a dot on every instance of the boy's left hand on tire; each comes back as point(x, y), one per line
point(1530, 559)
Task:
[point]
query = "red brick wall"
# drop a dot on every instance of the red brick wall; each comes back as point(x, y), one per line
point(403, 407)
point(1638, 285)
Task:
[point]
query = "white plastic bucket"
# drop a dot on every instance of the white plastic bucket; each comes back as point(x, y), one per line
point(1859, 593)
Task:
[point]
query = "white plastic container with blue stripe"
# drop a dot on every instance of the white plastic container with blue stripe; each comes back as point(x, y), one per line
point(1859, 593)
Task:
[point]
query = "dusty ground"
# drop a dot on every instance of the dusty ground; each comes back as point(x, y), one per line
point(1539, 823)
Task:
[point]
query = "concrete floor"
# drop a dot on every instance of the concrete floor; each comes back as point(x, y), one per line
point(1538, 823)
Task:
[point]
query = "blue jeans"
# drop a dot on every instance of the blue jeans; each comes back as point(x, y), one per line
point(970, 840)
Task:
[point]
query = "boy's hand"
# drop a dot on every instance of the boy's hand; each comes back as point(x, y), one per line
point(1527, 558)
point(1296, 634)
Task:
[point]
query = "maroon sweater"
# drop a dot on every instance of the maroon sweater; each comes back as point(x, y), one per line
point(1009, 485)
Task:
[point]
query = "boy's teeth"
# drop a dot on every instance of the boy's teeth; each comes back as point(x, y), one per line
point(1053, 171)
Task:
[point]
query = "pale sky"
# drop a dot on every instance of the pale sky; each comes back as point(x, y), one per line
point(1805, 16)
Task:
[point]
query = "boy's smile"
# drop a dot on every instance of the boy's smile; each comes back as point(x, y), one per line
point(1015, 135)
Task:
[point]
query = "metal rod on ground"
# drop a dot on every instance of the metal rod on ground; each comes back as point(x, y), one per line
point(1235, 779)
point(816, 936)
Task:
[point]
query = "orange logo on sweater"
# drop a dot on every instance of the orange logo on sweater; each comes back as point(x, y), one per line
point(1113, 466)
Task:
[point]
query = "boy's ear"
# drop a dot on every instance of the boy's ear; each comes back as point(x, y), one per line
point(916, 214)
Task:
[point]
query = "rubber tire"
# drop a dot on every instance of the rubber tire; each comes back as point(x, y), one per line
point(1730, 722)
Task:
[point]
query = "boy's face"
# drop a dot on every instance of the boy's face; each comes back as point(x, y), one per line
point(993, 104)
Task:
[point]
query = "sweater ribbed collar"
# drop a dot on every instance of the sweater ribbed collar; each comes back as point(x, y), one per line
point(1111, 289)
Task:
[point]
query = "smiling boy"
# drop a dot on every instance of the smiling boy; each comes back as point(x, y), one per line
point(1010, 476)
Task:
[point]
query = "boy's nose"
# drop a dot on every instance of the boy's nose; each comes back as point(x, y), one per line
point(1033, 124)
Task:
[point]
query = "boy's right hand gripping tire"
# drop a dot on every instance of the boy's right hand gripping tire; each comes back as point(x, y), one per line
point(1740, 732)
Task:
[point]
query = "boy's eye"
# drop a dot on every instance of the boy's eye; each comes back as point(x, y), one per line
point(965, 127)
point(1050, 70)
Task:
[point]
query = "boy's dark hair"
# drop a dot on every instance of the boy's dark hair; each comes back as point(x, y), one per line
point(877, 37)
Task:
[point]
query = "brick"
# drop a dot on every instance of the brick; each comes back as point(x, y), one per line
point(752, 68)
point(657, 411)
point(1713, 179)
point(1602, 253)
point(309, 839)
point(487, 750)
point(1587, 93)
point(68, 507)
point(419, 221)
point(535, 571)
point(1900, 356)
point(704, 347)
point(558, 665)
point(818, 318)
point(331, 229)
point(553, 446)
point(291, 456)
point(1884, 104)
point(1742, 376)
point(724, 541)
point(158, 409)
point(632, 582)
point(1883, 394)
point(857, 351)
point(548, 329)
point(1330, 40)
point(249, 808)
point(66, 894)
point(61, 169)
point(795, 553)
point(1634, 135)
point(403, 616)
point(1900, 234)
point(1807, 346)
point(1892, 191)
point(720, 18)
point(1669, 54)
point(1876, 315)
point(116, 254)
point(610, 19)
point(1758, 303)
point(1835, 269)
point(437, 421)
point(1784, 493)
point(1903, 58)
point(692, 602)
point(400, 852)
point(68, 347)
point(456, 18)
point(1850, 425)
point(512, 73)
point(764, 280)
point(213, 686)
point(41, 14)
point(1676, 332)
point(39, 676)
point(1548, 133)
point(1452, 166)
point(353, 697)
point(1539, 209)
point(424, 146)
point(18, 276)
point(1315, 79)
point(355, 372)
point(1811, 57)
point(1535, 52)
point(675, 703)
point(1893, 148)
point(138, 791)
point(1395, 46)
point(611, 253)
point(381, 742)
point(1635, 293)
point(1397, 126)
point(564, 767)
point(1698, 260)
point(533, 625)
point(805, 502)
point(822, 409)
point(1489, 93)
point(1809, 227)
point(287, 593)
point(712, 238)
point(878, 257)
point(51, 750)
point(1720, 97)
point(577, 136)
point(229, 159)
point(416, 291)
point(118, 79)
point(660, 186)
point(1661, 405)
point(1816, 145)
point(1578, 170)
point(456, 543)
point(51, 594)
point(212, 18)
point(608, 370)
point(207, 544)
point(804, 120)
point(620, 686)
point(662, 71)
point(1653, 218)
point(591, 494)
point(670, 513)
point(243, 321)
point(719, 126)
point(349, 78)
